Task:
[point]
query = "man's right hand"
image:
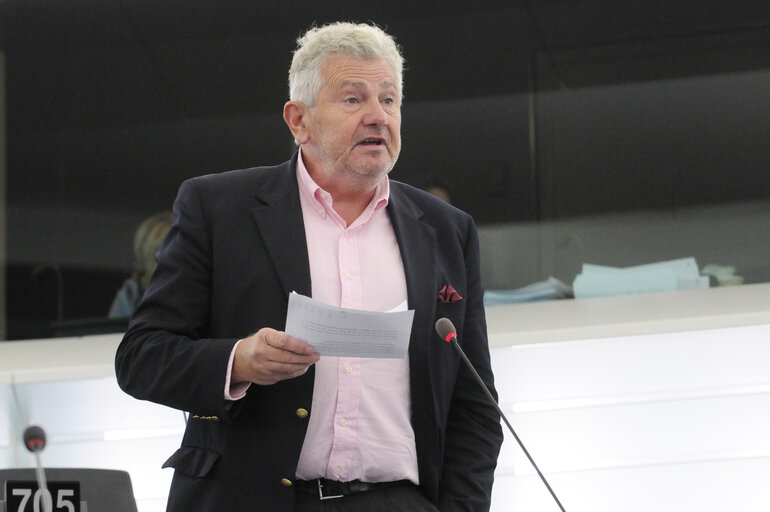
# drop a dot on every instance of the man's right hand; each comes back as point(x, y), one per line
point(270, 356)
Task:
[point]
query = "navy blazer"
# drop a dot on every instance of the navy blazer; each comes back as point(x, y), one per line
point(236, 250)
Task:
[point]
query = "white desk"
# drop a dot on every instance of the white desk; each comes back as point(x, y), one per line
point(87, 357)
point(637, 403)
point(602, 317)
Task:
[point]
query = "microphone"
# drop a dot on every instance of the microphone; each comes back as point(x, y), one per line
point(34, 440)
point(446, 329)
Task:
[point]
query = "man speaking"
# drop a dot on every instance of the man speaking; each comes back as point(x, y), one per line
point(274, 426)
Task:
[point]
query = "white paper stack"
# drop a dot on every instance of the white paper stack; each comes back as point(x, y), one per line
point(664, 276)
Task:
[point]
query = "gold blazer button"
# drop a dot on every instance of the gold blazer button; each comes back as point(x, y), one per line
point(302, 413)
point(286, 482)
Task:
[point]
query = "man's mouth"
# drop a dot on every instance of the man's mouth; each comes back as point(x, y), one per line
point(371, 142)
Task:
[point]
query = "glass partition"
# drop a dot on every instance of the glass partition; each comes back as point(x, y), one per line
point(574, 133)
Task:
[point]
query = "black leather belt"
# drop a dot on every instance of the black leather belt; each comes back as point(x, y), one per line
point(330, 489)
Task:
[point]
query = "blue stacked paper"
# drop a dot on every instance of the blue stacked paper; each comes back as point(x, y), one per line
point(599, 280)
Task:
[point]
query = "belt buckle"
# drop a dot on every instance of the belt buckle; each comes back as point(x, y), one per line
point(321, 492)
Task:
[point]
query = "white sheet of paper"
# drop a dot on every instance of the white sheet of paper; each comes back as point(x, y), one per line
point(344, 332)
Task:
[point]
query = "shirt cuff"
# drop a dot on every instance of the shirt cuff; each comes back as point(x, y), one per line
point(236, 391)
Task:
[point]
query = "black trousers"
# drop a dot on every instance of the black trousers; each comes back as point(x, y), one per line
point(405, 497)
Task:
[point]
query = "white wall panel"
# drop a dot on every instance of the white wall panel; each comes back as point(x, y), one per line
point(718, 486)
point(666, 422)
point(645, 367)
point(636, 434)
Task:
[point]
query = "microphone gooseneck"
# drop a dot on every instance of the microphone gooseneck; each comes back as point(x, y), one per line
point(446, 329)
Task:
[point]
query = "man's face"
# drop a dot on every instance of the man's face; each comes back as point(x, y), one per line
point(354, 127)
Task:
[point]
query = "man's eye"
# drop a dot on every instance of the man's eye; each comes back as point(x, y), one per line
point(352, 101)
point(389, 101)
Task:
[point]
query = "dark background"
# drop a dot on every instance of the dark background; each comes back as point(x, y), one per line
point(528, 110)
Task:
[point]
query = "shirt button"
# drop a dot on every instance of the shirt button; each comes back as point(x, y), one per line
point(337, 470)
point(348, 275)
point(343, 422)
point(286, 482)
point(349, 369)
point(302, 413)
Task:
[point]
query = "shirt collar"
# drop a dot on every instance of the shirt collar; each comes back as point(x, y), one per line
point(312, 191)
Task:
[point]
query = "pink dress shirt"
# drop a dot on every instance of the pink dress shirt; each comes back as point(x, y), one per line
point(359, 427)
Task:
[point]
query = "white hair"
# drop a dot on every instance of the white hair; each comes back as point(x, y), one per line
point(319, 44)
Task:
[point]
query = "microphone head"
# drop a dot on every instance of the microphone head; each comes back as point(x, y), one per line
point(446, 329)
point(34, 438)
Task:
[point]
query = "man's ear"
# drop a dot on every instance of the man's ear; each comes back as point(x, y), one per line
point(295, 114)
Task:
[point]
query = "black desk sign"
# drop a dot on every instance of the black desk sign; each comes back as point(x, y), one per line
point(25, 496)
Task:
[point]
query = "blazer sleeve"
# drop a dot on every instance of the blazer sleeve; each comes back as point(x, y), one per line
point(166, 355)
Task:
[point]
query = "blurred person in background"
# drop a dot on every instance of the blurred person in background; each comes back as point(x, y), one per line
point(147, 239)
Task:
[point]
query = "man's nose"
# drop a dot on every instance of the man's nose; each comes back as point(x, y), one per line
point(375, 114)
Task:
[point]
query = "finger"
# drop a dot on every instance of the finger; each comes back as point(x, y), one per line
point(282, 341)
point(271, 378)
point(274, 371)
point(282, 360)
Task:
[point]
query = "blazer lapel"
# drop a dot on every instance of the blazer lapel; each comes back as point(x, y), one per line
point(278, 214)
point(417, 243)
point(418, 246)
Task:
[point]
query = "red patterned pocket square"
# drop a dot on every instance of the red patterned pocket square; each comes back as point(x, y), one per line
point(448, 294)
